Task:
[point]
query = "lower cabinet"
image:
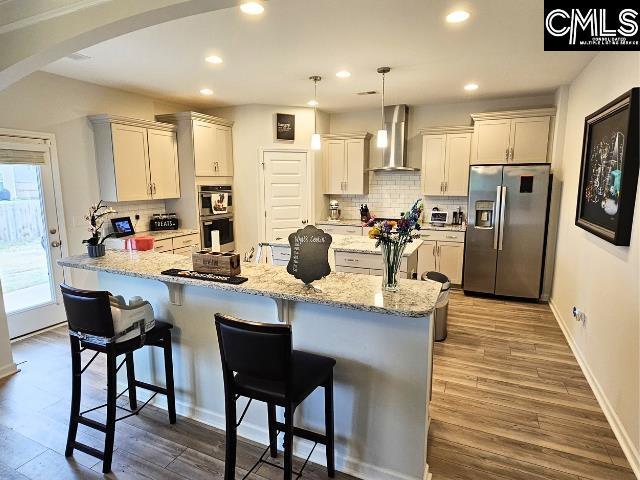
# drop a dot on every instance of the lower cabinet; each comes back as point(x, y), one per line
point(442, 254)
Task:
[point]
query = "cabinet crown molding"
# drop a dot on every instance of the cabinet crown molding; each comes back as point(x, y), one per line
point(445, 130)
point(175, 117)
point(104, 119)
point(534, 112)
point(346, 136)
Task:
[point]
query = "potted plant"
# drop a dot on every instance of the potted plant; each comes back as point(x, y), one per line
point(392, 237)
point(95, 245)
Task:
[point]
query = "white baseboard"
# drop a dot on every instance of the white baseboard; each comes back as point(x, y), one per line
point(629, 449)
point(7, 370)
point(259, 434)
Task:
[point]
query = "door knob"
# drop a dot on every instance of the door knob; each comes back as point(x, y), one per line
point(56, 243)
point(53, 231)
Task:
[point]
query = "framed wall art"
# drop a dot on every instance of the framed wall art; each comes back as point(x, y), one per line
point(285, 127)
point(609, 169)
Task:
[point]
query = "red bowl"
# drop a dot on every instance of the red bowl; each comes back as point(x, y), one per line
point(141, 243)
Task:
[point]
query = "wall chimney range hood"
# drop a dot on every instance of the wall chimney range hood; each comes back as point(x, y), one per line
point(394, 156)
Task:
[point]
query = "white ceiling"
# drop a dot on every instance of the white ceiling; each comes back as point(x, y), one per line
point(268, 59)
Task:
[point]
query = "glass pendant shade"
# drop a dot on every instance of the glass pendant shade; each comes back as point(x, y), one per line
point(315, 141)
point(381, 140)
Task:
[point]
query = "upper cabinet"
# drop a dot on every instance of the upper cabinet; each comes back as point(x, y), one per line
point(445, 160)
point(136, 159)
point(205, 141)
point(521, 136)
point(346, 163)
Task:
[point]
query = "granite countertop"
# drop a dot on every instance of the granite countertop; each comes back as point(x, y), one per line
point(448, 227)
point(342, 290)
point(356, 222)
point(163, 234)
point(353, 244)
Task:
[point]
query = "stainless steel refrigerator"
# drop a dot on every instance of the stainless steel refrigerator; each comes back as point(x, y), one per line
point(507, 228)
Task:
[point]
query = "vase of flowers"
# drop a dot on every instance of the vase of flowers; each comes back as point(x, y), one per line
point(95, 244)
point(392, 237)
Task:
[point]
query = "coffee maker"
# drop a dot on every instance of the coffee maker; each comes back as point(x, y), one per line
point(334, 210)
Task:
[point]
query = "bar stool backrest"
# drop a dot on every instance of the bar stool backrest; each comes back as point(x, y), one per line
point(260, 350)
point(88, 312)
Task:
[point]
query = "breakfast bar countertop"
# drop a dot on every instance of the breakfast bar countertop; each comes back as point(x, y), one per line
point(353, 244)
point(341, 290)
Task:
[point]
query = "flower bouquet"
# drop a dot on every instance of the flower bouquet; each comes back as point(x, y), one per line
point(392, 237)
point(95, 246)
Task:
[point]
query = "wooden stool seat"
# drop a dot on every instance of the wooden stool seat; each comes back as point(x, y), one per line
point(258, 362)
point(91, 328)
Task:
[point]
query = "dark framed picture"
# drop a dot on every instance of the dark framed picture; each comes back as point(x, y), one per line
point(122, 226)
point(609, 170)
point(285, 127)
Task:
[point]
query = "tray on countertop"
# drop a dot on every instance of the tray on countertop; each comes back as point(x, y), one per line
point(211, 277)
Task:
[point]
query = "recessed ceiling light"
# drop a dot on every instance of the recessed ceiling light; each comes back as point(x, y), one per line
point(343, 74)
point(252, 8)
point(312, 103)
point(206, 91)
point(214, 59)
point(458, 16)
point(470, 87)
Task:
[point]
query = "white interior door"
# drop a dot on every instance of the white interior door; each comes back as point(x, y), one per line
point(30, 239)
point(286, 200)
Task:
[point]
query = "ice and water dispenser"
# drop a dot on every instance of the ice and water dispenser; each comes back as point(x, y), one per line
point(484, 213)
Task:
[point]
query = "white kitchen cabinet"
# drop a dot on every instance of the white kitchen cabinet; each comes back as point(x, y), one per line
point(136, 159)
point(522, 136)
point(205, 142)
point(445, 161)
point(346, 163)
point(442, 251)
point(163, 163)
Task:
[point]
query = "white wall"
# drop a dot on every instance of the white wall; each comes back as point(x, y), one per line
point(253, 129)
point(7, 367)
point(597, 277)
point(50, 103)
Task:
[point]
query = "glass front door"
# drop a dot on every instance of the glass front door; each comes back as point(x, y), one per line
point(29, 245)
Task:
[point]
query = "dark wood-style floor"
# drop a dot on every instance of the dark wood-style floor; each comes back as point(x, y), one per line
point(34, 414)
point(511, 403)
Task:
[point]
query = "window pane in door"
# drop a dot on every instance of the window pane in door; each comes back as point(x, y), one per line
point(24, 251)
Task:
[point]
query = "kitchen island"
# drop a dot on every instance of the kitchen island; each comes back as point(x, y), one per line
point(382, 342)
point(353, 254)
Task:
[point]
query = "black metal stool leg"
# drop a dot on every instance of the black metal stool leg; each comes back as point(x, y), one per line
point(273, 430)
point(232, 438)
point(111, 412)
point(328, 419)
point(76, 390)
point(168, 369)
point(131, 381)
point(288, 442)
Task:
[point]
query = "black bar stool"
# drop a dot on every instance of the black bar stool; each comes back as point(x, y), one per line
point(91, 328)
point(258, 362)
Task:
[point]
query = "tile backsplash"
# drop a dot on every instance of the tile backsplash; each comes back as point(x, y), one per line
point(391, 193)
point(145, 209)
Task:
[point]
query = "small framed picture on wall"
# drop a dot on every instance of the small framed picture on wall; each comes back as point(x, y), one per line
point(609, 169)
point(285, 127)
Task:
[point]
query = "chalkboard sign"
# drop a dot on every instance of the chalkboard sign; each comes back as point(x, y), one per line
point(309, 259)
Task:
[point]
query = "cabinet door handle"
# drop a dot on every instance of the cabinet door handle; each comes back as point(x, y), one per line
point(451, 236)
point(153, 185)
point(446, 186)
point(434, 251)
point(506, 154)
point(511, 154)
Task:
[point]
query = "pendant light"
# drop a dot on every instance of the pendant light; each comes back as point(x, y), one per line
point(315, 137)
point(381, 139)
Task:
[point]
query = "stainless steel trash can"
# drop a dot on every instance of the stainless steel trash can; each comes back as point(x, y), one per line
point(442, 304)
